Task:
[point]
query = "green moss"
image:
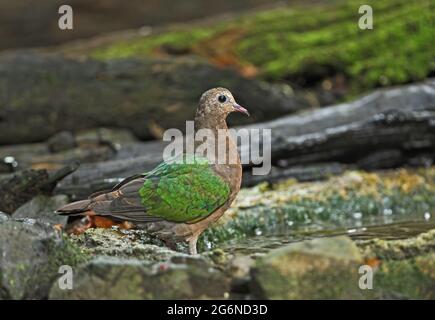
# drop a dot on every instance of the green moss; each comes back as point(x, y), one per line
point(179, 41)
point(412, 278)
point(69, 254)
point(65, 253)
point(311, 42)
point(333, 41)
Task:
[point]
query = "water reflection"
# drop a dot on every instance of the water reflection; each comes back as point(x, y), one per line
point(389, 231)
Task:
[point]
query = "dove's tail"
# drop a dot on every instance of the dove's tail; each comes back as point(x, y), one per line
point(89, 219)
point(75, 208)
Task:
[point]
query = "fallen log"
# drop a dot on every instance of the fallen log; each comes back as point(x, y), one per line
point(388, 128)
point(21, 27)
point(41, 95)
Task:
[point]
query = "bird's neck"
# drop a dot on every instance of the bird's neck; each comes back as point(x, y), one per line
point(221, 145)
point(211, 123)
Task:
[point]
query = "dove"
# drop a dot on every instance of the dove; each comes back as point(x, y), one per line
point(182, 196)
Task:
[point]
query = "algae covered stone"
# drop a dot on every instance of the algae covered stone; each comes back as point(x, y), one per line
point(399, 249)
point(299, 42)
point(31, 254)
point(405, 267)
point(324, 268)
point(114, 278)
point(407, 279)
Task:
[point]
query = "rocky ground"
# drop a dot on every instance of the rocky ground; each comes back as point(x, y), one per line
point(285, 241)
point(351, 185)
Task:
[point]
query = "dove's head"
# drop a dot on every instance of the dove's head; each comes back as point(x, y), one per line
point(218, 102)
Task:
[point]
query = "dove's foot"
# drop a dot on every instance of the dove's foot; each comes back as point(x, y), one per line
point(192, 245)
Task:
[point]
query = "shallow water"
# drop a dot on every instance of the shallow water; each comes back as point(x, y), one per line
point(390, 229)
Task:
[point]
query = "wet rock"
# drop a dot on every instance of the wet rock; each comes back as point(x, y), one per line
point(61, 141)
point(403, 269)
point(217, 256)
point(324, 268)
point(105, 136)
point(30, 256)
point(8, 163)
point(114, 278)
point(4, 217)
point(240, 266)
point(406, 279)
point(42, 208)
point(124, 244)
point(398, 249)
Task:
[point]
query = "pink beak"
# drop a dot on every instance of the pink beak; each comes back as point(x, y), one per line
point(240, 109)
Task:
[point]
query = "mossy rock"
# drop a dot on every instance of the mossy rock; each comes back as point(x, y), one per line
point(307, 44)
point(401, 249)
point(31, 254)
point(324, 268)
point(114, 278)
point(407, 279)
point(129, 244)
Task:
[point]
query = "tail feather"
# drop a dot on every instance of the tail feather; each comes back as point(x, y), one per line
point(74, 208)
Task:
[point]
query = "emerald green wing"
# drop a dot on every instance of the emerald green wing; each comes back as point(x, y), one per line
point(183, 191)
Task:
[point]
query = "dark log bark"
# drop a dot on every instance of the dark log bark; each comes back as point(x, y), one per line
point(23, 186)
point(22, 26)
point(309, 172)
point(41, 95)
point(382, 130)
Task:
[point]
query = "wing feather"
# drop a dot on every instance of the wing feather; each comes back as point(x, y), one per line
point(172, 191)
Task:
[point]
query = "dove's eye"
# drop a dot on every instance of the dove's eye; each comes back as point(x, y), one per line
point(222, 98)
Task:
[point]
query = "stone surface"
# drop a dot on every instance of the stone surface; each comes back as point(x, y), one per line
point(324, 268)
point(412, 278)
point(242, 258)
point(240, 266)
point(43, 208)
point(61, 141)
point(403, 268)
point(422, 244)
point(124, 244)
point(113, 278)
point(30, 256)
point(129, 264)
point(4, 217)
